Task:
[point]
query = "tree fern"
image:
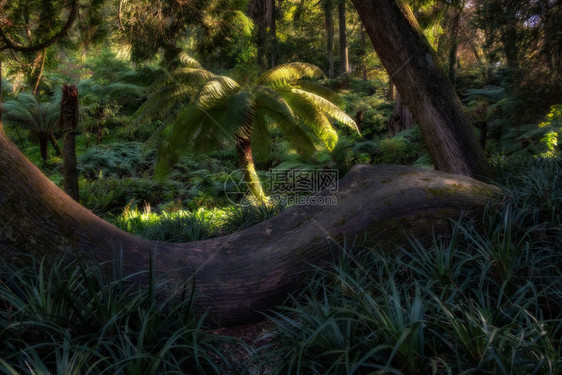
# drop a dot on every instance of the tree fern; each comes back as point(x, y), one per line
point(40, 118)
point(202, 111)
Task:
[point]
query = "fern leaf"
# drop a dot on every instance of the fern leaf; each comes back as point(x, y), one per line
point(216, 90)
point(322, 91)
point(290, 72)
point(328, 108)
point(261, 137)
point(189, 61)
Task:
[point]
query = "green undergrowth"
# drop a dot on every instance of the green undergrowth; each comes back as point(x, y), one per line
point(187, 226)
point(484, 300)
point(67, 317)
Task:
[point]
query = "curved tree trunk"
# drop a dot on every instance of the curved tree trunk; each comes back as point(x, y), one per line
point(252, 270)
point(413, 67)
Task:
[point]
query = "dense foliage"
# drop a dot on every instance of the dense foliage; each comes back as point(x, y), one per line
point(483, 299)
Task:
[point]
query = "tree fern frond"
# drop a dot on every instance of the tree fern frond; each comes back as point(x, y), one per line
point(313, 118)
point(27, 112)
point(280, 112)
point(242, 23)
point(493, 93)
point(328, 108)
point(321, 90)
point(119, 89)
point(174, 90)
point(290, 72)
point(261, 137)
point(273, 104)
point(189, 61)
point(240, 114)
point(216, 90)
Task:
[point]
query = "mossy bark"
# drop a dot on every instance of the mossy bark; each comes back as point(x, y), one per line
point(238, 275)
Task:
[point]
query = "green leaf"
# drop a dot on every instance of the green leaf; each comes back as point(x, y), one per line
point(290, 72)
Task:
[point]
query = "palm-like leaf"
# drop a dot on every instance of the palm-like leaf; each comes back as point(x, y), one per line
point(27, 112)
point(216, 110)
point(172, 91)
point(328, 108)
point(322, 91)
point(290, 73)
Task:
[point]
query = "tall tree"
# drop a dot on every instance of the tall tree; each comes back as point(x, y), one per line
point(454, 42)
point(263, 13)
point(328, 7)
point(69, 123)
point(413, 66)
point(344, 48)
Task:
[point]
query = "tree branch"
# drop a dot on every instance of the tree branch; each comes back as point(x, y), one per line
point(11, 45)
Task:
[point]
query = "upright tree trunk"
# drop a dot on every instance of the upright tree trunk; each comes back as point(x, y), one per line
point(55, 144)
point(401, 118)
point(415, 70)
point(363, 55)
point(329, 23)
point(260, 12)
point(344, 48)
point(69, 123)
point(1, 127)
point(454, 40)
point(273, 34)
point(238, 275)
point(43, 144)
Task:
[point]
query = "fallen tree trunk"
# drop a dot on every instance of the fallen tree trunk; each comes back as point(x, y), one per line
point(252, 270)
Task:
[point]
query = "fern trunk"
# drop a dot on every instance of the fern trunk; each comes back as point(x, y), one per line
point(246, 272)
point(43, 145)
point(246, 163)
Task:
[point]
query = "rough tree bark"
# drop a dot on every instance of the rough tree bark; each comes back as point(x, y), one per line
point(329, 24)
point(401, 118)
point(344, 48)
point(69, 123)
point(1, 126)
point(426, 91)
point(454, 40)
point(249, 271)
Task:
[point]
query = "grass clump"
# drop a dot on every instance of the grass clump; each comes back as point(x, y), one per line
point(484, 300)
point(187, 226)
point(68, 318)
